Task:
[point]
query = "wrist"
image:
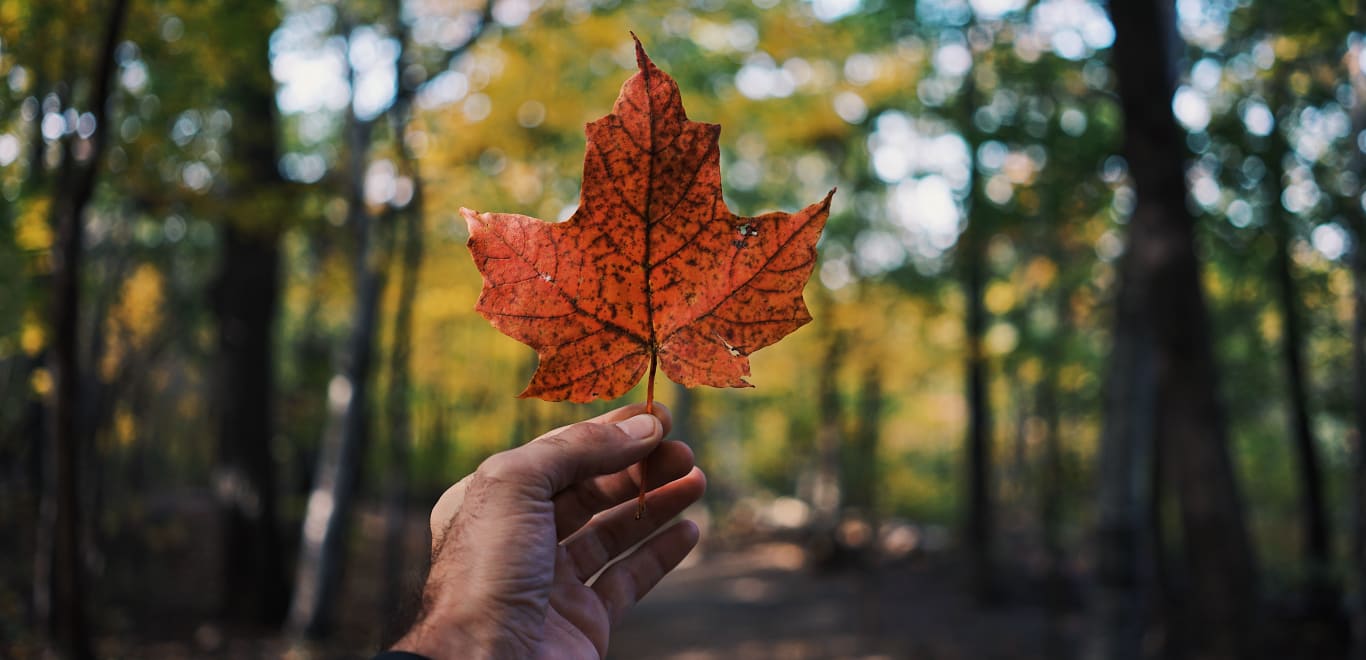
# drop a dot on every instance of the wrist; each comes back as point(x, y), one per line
point(437, 638)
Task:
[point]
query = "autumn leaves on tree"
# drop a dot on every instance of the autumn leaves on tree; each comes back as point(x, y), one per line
point(653, 270)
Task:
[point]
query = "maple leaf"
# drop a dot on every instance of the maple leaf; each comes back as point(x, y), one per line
point(652, 267)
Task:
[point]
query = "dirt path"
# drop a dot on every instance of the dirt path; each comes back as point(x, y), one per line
point(760, 603)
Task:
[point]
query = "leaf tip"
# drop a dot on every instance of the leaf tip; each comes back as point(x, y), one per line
point(642, 60)
point(472, 219)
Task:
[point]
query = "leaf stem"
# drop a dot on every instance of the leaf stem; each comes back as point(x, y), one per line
point(649, 410)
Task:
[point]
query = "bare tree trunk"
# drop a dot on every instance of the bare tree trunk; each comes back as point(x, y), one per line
point(980, 522)
point(245, 301)
point(863, 482)
point(827, 496)
point(1358, 483)
point(44, 464)
point(1357, 490)
point(400, 387)
point(1316, 535)
point(400, 421)
point(1163, 273)
point(73, 195)
point(244, 298)
point(1125, 461)
point(1051, 485)
point(327, 520)
point(981, 512)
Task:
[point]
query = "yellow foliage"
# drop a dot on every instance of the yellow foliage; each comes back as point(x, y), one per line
point(1215, 285)
point(41, 381)
point(32, 336)
point(1269, 323)
point(134, 319)
point(32, 231)
point(125, 427)
point(1074, 377)
point(1040, 273)
point(1000, 297)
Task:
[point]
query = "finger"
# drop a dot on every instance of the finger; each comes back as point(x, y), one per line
point(585, 450)
point(615, 531)
point(577, 504)
point(577, 605)
point(624, 413)
point(628, 580)
point(449, 502)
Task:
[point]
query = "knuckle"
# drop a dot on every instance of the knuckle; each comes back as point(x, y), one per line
point(499, 467)
point(560, 442)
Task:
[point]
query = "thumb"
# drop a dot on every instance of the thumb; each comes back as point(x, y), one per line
point(580, 452)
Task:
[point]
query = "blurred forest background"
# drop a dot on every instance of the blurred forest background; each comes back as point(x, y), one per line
point(1085, 379)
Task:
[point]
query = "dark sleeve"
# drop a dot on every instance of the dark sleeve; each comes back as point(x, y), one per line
point(399, 655)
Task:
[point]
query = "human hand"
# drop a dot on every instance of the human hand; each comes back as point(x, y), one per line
point(515, 544)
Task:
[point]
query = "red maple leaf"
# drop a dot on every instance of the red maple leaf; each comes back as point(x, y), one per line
point(652, 267)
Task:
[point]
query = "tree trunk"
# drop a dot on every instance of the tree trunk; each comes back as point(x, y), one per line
point(827, 495)
point(1315, 532)
point(73, 195)
point(1125, 461)
point(245, 301)
point(1051, 484)
point(979, 524)
point(399, 399)
point(400, 420)
point(1163, 274)
point(1358, 483)
point(1357, 215)
point(863, 482)
point(980, 507)
point(327, 520)
point(244, 298)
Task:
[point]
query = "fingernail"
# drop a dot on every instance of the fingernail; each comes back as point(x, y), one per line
point(640, 427)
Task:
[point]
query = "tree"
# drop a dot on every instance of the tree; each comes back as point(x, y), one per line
point(1161, 287)
point(327, 520)
point(1315, 531)
point(972, 257)
point(1357, 213)
point(74, 190)
point(398, 402)
point(244, 297)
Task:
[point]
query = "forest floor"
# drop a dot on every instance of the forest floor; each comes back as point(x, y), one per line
point(763, 602)
point(757, 598)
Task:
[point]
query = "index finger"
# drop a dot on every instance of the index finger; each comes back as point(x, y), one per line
point(450, 501)
point(550, 464)
point(623, 413)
